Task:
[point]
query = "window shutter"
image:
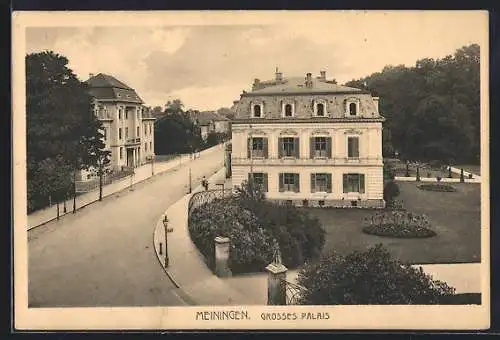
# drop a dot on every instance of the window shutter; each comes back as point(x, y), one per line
point(345, 183)
point(356, 147)
point(329, 147)
point(281, 186)
point(329, 183)
point(265, 147)
point(297, 147)
point(349, 147)
point(361, 183)
point(311, 147)
point(280, 147)
point(249, 147)
point(265, 186)
point(297, 182)
point(313, 183)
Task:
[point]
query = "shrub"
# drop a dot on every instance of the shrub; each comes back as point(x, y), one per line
point(389, 171)
point(391, 191)
point(370, 277)
point(252, 224)
point(437, 187)
point(400, 224)
point(436, 164)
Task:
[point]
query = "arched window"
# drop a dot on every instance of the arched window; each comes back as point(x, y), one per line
point(320, 110)
point(256, 110)
point(352, 109)
point(288, 110)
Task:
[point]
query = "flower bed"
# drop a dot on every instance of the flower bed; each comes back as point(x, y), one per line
point(397, 223)
point(392, 230)
point(437, 187)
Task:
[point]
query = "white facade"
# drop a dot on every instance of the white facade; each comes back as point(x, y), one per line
point(329, 154)
point(128, 133)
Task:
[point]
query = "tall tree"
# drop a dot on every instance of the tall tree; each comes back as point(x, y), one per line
point(174, 106)
point(433, 108)
point(61, 127)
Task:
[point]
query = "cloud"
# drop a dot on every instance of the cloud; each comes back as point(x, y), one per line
point(207, 66)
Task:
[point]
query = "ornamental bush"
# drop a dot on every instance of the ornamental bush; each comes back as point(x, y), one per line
point(252, 224)
point(369, 277)
point(437, 187)
point(391, 191)
point(398, 223)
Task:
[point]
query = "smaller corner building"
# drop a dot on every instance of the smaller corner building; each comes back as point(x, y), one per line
point(128, 125)
point(308, 141)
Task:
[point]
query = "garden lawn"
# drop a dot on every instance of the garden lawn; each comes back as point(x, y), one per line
point(454, 216)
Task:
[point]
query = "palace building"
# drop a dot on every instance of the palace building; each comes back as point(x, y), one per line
point(128, 126)
point(309, 141)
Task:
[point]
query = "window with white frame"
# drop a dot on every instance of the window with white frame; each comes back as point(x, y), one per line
point(121, 152)
point(257, 110)
point(354, 183)
point(352, 107)
point(257, 147)
point(320, 108)
point(353, 147)
point(321, 182)
point(321, 147)
point(289, 182)
point(288, 109)
point(259, 179)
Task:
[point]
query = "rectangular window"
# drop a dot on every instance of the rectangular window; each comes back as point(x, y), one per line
point(353, 147)
point(150, 128)
point(126, 132)
point(257, 147)
point(126, 114)
point(320, 147)
point(121, 152)
point(151, 146)
point(354, 183)
point(289, 182)
point(138, 132)
point(120, 133)
point(120, 114)
point(145, 146)
point(260, 179)
point(321, 182)
point(289, 147)
point(104, 132)
point(145, 130)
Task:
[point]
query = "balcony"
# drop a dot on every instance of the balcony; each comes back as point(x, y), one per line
point(133, 141)
point(310, 161)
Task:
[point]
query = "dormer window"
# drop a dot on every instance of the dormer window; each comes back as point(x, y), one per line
point(257, 110)
point(320, 109)
point(352, 107)
point(288, 109)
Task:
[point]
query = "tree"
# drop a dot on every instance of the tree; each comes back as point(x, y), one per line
point(391, 191)
point(433, 108)
point(174, 106)
point(61, 126)
point(371, 277)
point(176, 133)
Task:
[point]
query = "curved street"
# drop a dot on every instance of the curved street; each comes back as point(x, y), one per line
point(104, 254)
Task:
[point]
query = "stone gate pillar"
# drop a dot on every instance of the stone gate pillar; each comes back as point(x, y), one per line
point(222, 245)
point(276, 279)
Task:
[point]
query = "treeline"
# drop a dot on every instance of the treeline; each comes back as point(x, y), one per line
point(176, 132)
point(432, 109)
point(63, 135)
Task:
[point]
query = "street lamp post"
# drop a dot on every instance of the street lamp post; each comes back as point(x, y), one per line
point(167, 230)
point(152, 165)
point(189, 178)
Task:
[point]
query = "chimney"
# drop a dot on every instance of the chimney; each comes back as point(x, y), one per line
point(256, 84)
point(322, 75)
point(308, 80)
point(279, 75)
point(91, 75)
point(375, 101)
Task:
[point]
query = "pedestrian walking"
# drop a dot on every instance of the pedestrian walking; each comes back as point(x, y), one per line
point(204, 183)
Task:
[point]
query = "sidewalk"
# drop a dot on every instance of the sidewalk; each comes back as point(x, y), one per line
point(187, 268)
point(142, 173)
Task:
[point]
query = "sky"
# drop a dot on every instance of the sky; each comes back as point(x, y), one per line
point(208, 63)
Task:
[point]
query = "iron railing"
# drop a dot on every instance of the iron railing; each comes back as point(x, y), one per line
point(294, 292)
point(201, 198)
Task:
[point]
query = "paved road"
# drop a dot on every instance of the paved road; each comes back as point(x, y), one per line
point(103, 255)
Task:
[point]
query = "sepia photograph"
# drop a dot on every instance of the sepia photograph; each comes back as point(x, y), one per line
point(251, 170)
